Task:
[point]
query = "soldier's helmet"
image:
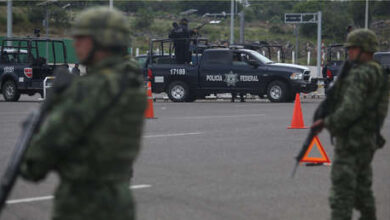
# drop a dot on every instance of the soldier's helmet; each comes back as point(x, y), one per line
point(363, 38)
point(108, 27)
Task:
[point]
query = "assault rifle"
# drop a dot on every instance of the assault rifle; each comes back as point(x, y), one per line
point(29, 128)
point(201, 25)
point(195, 31)
point(321, 112)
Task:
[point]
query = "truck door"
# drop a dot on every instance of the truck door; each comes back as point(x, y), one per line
point(215, 66)
point(248, 74)
point(13, 63)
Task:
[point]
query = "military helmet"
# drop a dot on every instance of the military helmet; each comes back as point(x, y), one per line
point(108, 27)
point(363, 38)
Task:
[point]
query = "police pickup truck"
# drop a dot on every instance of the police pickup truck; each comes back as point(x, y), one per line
point(23, 66)
point(226, 70)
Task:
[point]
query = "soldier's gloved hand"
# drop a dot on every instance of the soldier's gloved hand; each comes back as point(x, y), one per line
point(317, 126)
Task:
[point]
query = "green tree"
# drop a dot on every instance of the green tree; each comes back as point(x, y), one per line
point(335, 18)
point(57, 14)
point(357, 10)
point(144, 19)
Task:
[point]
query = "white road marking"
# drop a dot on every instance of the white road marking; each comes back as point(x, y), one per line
point(43, 198)
point(35, 199)
point(219, 116)
point(140, 186)
point(171, 135)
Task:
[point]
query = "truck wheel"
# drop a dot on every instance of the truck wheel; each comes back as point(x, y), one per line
point(178, 92)
point(10, 92)
point(277, 91)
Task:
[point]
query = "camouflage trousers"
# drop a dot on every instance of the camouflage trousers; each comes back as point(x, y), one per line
point(351, 177)
point(93, 201)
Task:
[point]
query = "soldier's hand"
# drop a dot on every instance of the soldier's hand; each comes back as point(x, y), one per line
point(317, 126)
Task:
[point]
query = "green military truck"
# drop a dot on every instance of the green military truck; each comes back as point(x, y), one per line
point(25, 63)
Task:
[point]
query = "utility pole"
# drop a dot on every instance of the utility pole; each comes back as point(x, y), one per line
point(319, 39)
point(296, 42)
point(232, 22)
point(9, 20)
point(47, 31)
point(245, 4)
point(366, 18)
point(242, 26)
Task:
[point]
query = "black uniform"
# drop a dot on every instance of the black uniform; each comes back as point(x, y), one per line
point(181, 36)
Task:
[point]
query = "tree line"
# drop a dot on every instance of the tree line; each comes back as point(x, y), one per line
point(337, 15)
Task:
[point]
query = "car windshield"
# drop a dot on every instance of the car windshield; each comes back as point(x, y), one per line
point(259, 57)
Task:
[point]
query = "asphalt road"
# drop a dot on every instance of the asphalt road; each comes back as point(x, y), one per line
point(210, 160)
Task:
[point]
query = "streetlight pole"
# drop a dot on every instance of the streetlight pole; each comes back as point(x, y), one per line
point(242, 26)
point(232, 22)
point(366, 19)
point(9, 20)
point(47, 30)
point(296, 42)
point(319, 39)
point(245, 4)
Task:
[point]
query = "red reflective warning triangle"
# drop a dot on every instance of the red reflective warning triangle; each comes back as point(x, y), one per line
point(324, 157)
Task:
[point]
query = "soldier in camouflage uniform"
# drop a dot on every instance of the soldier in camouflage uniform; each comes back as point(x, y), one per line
point(91, 136)
point(357, 109)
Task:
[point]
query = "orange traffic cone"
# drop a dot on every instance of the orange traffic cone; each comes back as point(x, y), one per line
point(149, 113)
point(297, 119)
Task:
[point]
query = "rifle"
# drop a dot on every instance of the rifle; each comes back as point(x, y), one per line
point(321, 112)
point(29, 128)
point(195, 31)
point(201, 25)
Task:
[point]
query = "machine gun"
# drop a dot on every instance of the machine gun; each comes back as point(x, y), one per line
point(321, 112)
point(195, 31)
point(201, 25)
point(29, 128)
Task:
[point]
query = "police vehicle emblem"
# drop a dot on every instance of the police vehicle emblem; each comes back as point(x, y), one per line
point(231, 79)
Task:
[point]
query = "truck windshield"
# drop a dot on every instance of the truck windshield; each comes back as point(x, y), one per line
point(259, 57)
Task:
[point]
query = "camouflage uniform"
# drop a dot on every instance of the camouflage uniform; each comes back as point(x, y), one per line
point(92, 142)
point(358, 107)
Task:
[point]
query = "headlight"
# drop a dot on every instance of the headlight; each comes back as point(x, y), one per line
point(296, 76)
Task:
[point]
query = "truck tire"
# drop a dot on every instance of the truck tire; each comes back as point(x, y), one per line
point(178, 92)
point(277, 91)
point(10, 91)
